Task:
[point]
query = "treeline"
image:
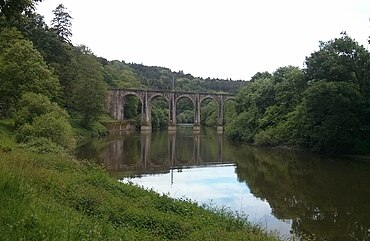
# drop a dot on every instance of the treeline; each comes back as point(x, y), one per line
point(324, 107)
point(131, 75)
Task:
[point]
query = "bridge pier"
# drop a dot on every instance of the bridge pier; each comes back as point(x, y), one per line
point(220, 129)
point(171, 128)
point(172, 112)
point(196, 129)
point(146, 114)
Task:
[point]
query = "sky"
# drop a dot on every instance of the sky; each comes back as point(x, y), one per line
point(212, 38)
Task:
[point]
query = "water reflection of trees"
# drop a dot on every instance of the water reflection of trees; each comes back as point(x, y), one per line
point(323, 197)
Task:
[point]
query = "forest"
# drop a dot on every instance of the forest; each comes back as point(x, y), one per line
point(48, 86)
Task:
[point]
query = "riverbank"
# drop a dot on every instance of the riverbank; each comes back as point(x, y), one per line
point(57, 197)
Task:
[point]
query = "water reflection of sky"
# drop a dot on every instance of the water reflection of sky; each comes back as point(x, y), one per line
point(217, 185)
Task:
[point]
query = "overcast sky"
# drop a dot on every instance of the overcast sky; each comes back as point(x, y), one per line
point(212, 38)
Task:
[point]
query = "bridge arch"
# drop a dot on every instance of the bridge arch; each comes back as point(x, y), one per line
point(184, 96)
point(230, 98)
point(156, 95)
point(157, 117)
point(185, 101)
point(207, 97)
point(131, 93)
point(204, 102)
point(116, 97)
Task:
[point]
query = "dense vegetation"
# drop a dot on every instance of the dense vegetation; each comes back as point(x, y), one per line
point(324, 107)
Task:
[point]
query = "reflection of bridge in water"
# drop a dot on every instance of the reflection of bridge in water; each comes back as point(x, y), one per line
point(196, 159)
point(117, 98)
point(176, 152)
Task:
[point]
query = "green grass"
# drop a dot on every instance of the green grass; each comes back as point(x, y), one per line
point(56, 197)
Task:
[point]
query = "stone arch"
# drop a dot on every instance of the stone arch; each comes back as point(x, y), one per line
point(184, 96)
point(151, 99)
point(124, 98)
point(215, 100)
point(192, 100)
point(230, 98)
point(208, 97)
point(156, 95)
point(132, 93)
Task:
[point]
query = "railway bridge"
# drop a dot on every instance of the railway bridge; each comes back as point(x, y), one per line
point(117, 97)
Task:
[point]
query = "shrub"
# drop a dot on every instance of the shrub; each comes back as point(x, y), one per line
point(42, 145)
point(52, 126)
point(32, 105)
point(266, 138)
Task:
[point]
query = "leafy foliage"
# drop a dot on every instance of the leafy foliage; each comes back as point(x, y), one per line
point(324, 107)
point(13, 10)
point(327, 118)
point(51, 126)
point(89, 91)
point(22, 69)
point(32, 105)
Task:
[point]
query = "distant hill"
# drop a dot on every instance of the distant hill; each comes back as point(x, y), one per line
point(131, 75)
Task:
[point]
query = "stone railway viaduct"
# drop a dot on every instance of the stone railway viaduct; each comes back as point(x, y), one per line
point(117, 97)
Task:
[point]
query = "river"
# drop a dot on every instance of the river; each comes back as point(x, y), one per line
point(298, 194)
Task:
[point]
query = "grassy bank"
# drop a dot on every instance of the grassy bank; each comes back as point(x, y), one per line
point(56, 197)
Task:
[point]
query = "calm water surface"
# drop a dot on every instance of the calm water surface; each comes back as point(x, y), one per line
point(292, 192)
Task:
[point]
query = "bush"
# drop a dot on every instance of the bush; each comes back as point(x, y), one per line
point(32, 105)
point(51, 126)
point(266, 138)
point(42, 145)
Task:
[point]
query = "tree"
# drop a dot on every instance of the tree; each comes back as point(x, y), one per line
point(12, 10)
point(22, 69)
point(341, 59)
point(252, 102)
point(89, 91)
point(8, 37)
point(327, 118)
point(261, 75)
point(61, 23)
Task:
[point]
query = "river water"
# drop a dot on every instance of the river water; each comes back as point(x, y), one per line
point(295, 193)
